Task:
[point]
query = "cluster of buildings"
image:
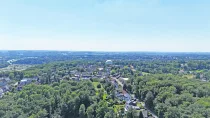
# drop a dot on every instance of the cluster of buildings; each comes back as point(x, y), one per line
point(91, 72)
point(130, 101)
point(4, 87)
point(132, 104)
point(123, 95)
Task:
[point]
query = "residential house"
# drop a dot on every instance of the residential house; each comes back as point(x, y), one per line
point(132, 103)
point(5, 88)
point(24, 82)
point(127, 107)
point(123, 96)
point(75, 78)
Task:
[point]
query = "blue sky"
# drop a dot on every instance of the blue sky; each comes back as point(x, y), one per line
point(105, 25)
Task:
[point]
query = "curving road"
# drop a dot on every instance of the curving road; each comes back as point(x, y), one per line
point(153, 114)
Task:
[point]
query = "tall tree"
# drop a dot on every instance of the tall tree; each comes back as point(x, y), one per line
point(82, 111)
point(149, 99)
point(89, 112)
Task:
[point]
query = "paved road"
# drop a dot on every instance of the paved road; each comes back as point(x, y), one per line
point(118, 81)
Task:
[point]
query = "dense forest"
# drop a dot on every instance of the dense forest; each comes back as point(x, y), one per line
point(67, 99)
point(174, 97)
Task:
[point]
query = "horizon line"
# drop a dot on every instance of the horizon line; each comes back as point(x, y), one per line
point(1, 50)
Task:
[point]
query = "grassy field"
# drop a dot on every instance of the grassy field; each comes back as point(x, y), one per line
point(199, 71)
point(104, 96)
point(144, 73)
point(17, 67)
point(189, 76)
point(140, 105)
point(118, 108)
point(95, 84)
